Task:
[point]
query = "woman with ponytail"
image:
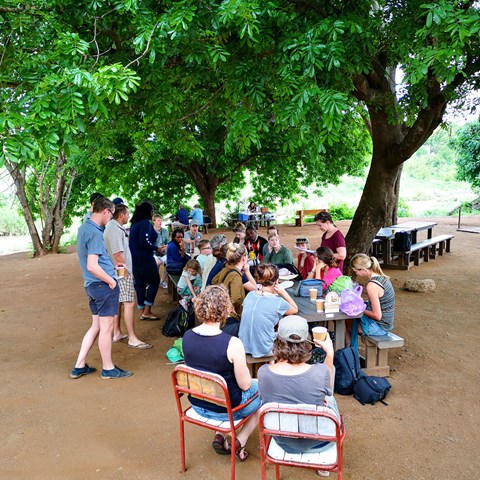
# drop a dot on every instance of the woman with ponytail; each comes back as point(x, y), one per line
point(378, 317)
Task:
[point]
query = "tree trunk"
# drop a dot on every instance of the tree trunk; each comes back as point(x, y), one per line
point(377, 206)
point(206, 185)
point(19, 180)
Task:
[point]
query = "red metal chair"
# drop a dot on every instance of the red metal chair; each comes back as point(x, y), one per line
point(301, 421)
point(212, 388)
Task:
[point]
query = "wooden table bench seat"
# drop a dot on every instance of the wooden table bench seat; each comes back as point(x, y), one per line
point(301, 214)
point(255, 363)
point(425, 250)
point(172, 281)
point(376, 353)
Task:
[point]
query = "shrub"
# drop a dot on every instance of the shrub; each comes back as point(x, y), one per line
point(341, 211)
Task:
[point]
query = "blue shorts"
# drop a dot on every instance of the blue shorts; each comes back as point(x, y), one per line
point(244, 412)
point(371, 327)
point(103, 301)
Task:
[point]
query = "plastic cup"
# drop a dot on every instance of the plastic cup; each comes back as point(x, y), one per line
point(313, 294)
point(121, 272)
point(319, 333)
point(320, 305)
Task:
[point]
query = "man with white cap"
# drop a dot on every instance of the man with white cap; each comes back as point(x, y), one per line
point(292, 380)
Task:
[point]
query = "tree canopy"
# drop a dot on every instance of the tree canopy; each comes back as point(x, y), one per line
point(467, 145)
point(286, 88)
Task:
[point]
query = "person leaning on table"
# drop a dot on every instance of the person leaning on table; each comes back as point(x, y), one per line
point(292, 380)
point(379, 315)
point(207, 348)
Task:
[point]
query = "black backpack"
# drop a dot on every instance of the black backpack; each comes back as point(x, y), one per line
point(368, 389)
point(347, 370)
point(402, 242)
point(178, 321)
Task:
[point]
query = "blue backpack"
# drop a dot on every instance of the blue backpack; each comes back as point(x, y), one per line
point(347, 370)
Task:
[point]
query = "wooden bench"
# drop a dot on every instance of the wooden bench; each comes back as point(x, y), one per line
point(255, 363)
point(301, 214)
point(425, 250)
point(376, 353)
point(172, 281)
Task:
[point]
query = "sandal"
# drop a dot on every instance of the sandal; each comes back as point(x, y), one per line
point(218, 444)
point(240, 451)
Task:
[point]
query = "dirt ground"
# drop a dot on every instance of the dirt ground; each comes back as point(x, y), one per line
point(57, 428)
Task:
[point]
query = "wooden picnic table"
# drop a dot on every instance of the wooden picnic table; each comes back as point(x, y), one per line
point(308, 310)
point(387, 234)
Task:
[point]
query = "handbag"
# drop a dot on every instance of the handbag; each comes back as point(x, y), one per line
point(351, 301)
point(304, 286)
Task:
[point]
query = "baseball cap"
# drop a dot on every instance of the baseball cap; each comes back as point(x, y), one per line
point(194, 222)
point(118, 201)
point(217, 241)
point(293, 325)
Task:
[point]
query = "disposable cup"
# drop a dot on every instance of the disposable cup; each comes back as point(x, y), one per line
point(313, 294)
point(320, 304)
point(121, 272)
point(319, 333)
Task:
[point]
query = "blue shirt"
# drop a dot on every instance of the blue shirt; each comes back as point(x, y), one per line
point(142, 239)
point(182, 216)
point(90, 242)
point(197, 216)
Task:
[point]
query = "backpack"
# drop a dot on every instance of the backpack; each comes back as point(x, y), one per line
point(340, 284)
point(178, 321)
point(369, 389)
point(347, 370)
point(402, 242)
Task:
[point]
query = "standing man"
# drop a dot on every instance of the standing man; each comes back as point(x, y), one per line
point(116, 241)
point(102, 290)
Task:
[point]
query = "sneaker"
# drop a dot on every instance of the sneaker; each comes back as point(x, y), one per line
point(116, 373)
point(79, 372)
point(163, 285)
point(323, 473)
point(184, 304)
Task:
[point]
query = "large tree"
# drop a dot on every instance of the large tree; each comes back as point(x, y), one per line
point(54, 87)
point(285, 84)
point(293, 77)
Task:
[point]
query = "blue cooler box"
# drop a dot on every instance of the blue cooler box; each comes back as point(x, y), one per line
point(242, 217)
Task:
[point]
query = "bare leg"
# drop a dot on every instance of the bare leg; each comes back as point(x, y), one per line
point(87, 342)
point(117, 327)
point(249, 426)
point(129, 315)
point(105, 341)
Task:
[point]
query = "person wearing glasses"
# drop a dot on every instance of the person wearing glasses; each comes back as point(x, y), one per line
point(116, 242)
point(332, 237)
point(143, 239)
point(100, 281)
point(379, 315)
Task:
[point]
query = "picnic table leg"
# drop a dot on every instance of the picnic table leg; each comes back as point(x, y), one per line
point(429, 233)
point(339, 334)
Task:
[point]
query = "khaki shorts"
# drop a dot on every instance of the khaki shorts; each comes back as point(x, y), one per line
point(127, 289)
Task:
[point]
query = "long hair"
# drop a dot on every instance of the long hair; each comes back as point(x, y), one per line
point(143, 211)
